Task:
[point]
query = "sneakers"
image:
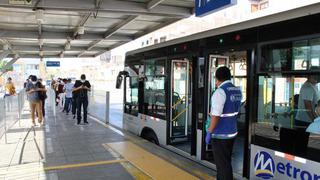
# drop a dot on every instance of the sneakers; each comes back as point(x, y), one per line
point(86, 123)
point(74, 116)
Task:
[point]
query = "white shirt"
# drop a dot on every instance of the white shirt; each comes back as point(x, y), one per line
point(308, 92)
point(218, 100)
point(68, 88)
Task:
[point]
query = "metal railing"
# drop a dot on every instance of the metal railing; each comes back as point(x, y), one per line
point(11, 108)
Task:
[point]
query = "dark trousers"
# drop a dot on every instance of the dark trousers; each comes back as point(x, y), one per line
point(57, 97)
point(43, 110)
point(222, 151)
point(67, 104)
point(74, 105)
point(82, 101)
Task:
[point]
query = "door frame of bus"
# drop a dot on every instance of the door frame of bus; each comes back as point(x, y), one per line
point(186, 96)
point(250, 109)
point(251, 83)
point(190, 58)
point(211, 82)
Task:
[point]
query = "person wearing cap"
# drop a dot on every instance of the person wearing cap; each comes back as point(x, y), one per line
point(225, 105)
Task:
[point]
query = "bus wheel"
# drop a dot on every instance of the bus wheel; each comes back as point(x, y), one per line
point(152, 138)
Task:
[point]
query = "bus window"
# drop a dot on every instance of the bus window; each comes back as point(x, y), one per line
point(288, 101)
point(154, 89)
point(155, 68)
point(290, 56)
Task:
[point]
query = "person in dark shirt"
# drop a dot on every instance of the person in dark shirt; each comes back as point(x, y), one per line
point(81, 88)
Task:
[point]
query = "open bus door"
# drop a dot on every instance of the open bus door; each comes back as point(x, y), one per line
point(215, 61)
point(180, 115)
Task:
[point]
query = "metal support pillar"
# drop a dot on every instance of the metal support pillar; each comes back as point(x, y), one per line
point(107, 106)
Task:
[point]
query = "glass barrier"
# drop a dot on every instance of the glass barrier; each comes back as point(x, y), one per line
point(97, 104)
point(11, 108)
point(107, 111)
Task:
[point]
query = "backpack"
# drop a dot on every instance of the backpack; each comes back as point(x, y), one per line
point(42, 95)
point(12, 91)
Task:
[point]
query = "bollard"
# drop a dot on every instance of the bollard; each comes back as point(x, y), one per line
point(107, 106)
point(19, 108)
point(54, 103)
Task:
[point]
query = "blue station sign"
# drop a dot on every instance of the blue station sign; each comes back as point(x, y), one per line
point(53, 63)
point(205, 7)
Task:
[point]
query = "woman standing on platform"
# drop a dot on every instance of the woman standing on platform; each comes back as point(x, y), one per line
point(42, 96)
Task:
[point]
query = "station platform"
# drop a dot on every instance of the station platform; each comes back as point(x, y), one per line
point(61, 150)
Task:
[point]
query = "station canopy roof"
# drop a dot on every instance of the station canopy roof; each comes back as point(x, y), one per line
point(81, 28)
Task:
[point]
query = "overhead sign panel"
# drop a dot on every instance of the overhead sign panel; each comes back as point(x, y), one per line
point(205, 7)
point(53, 63)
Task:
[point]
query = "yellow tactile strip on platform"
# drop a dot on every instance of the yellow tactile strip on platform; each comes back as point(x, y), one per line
point(96, 163)
point(152, 165)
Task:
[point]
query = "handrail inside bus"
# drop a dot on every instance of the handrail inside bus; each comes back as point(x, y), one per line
point(179, 101)
point(183, 111)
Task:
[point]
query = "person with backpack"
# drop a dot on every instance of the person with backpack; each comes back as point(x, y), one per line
point(42, 96)
point(34, 100)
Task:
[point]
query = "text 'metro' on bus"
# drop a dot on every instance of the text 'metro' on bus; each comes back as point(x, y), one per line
point(275, 60)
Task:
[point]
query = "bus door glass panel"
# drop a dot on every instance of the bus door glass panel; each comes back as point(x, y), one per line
point(238, 69)
point(179, 99)
point(216, 61)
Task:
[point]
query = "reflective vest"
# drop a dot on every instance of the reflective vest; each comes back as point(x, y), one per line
point(227, 124)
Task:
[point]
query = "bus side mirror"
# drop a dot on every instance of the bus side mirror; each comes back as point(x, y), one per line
point(119, 81)
point(120, 78)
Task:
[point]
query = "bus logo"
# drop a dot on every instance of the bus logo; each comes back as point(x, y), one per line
point(264, 166)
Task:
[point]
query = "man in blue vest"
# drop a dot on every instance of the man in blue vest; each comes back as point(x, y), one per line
point(225, 105)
